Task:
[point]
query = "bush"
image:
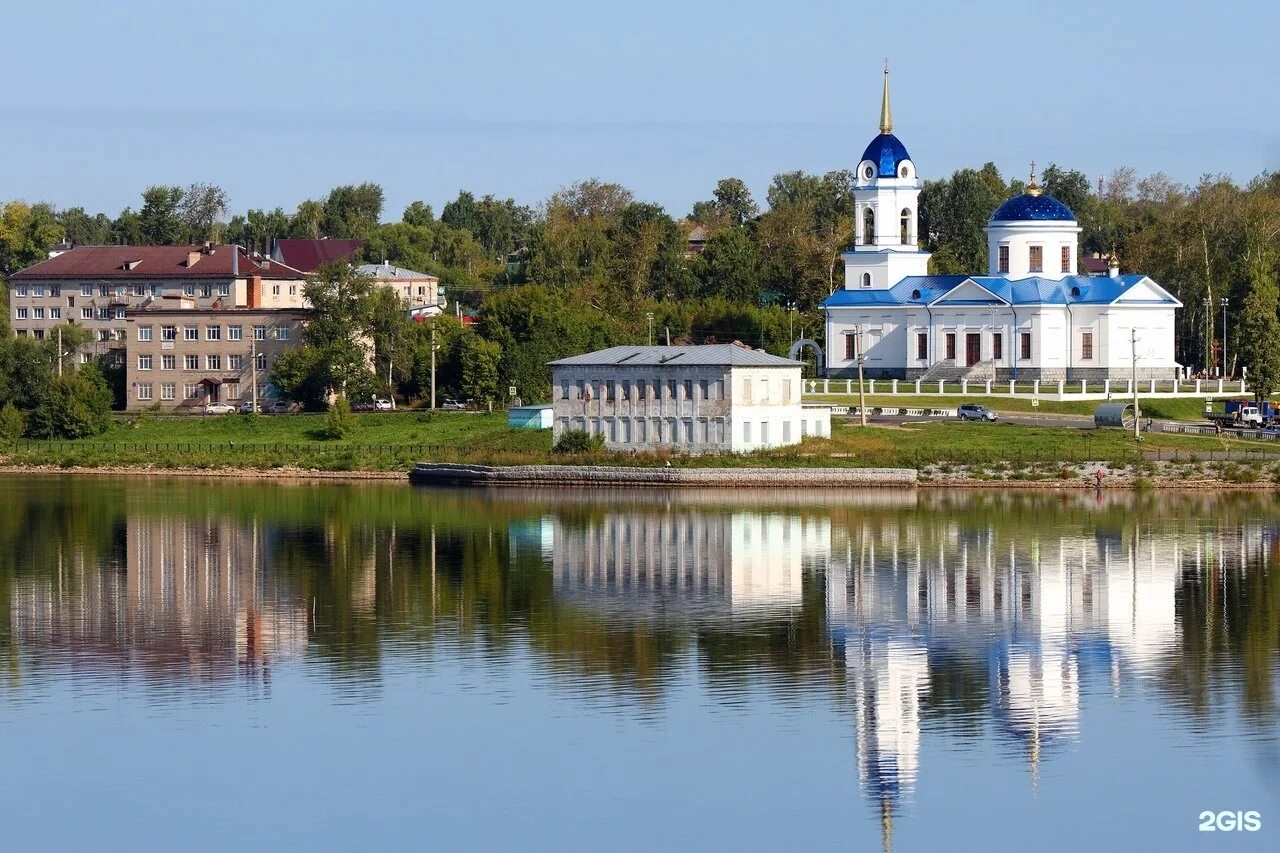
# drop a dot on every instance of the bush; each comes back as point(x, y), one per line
point(577, 441)
point(340, 423)
point(12, 424)
point(75, 405)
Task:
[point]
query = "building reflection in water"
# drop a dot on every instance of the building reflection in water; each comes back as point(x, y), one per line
point(700, 564)
point(190, 604)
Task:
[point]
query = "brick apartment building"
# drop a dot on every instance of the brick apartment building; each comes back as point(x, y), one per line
point(97, 286)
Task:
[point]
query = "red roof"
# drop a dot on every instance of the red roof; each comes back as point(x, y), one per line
point(310, 255)
point(129, 263)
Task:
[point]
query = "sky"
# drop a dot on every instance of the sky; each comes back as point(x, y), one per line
point(278, 101)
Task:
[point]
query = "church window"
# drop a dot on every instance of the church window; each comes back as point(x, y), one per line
point(849, 351)
point(922, 346)
point(1086, 346)
point(906, 227)
point(1066, 259)
point(951, 345)
point(868, 227)
point(866, 279)
point(902, 173)
point(997, 346)
point(1024, 345)
point(1036, 259)
point(869, 173)
point(1003, 264)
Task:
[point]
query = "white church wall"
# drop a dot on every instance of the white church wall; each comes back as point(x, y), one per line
point(1021, 236)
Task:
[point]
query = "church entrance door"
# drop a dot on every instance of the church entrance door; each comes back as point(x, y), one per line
point(972, 349)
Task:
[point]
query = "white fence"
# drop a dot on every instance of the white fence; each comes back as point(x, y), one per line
point(1060, 390)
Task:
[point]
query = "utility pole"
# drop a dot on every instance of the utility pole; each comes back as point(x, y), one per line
point(433, 364)
point(59, 350)
point(253, 368)
point(1208, 337)
point(862, 391)
point(649, 316)
point(667, 329)
point(1137, 414)
point(1223, 303)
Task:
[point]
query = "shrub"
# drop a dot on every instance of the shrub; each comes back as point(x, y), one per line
point(75, 405)
point(340, 422)
point(578, 441)
point(12, 424)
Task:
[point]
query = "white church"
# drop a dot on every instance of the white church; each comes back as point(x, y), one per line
point(1031, 317)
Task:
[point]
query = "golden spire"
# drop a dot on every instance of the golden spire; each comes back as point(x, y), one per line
point(886, 114)
point(1032, 187)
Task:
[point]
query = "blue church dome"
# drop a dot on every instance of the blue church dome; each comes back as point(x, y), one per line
point(886, 151)
point(1033, 206)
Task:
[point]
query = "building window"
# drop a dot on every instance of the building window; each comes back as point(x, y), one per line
point(1024, 345)
point(86, 290)
point(167, 362)
point(144, 333)
point(922, 346)
point(37, 313)
point(190, 333)
point(168, 391)
point(104, 313)
point(282, 333)
point(119, 313)
point(905, 236)
point(261, 360)
point(55, 313)
point(22, 290)
point(213, 362)
point(746, 431)
point(997, 346)
point(156, 291)
point(786, 391)
point(235, 362)
point(224, 290)
point(1035, 259)
point(191, 362)
point(764, 432)
point(235, 333)
point(39, 334)
point(86, 313)
point(231, 390)
point(144, 362)
point(144, 391)
point(22, 313)
point(188, 290)
point(259, 333)
point(1086, 346)
point(951, 345)
point(688, 389)
point(1002, 264)
point(1066, 259)
point(275, 290)
point(206, 290)
point(850, 346)
point(293, 290)
point(869, 227)
point(866, 279)
point(139, 290)
point(104, 335)
point(213, 333)
point(168, 333)
point(191, 390)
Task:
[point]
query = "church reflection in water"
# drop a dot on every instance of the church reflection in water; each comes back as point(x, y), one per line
point(912, 612)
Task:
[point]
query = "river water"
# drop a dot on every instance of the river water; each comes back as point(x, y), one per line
point(195, 665)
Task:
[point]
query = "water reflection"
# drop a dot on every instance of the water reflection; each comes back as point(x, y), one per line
point(983, 619)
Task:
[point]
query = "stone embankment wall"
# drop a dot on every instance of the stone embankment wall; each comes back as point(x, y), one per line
point(590, 475)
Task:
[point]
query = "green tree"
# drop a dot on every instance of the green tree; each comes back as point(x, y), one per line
point(308, 220)
point(74, 405)
point(160, 221)
point(1258, 330)
point(352, 210)
point(729, 267)
point(731, 206)
point(12, 423)
point(81, 229)
point(418, 213)
point(480, 361)
point(339, 423)
point(202, 209)
point(26, 233)
point(953, 213)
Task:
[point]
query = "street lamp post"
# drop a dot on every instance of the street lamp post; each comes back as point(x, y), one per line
point(1223, 303)
point(1208, 337)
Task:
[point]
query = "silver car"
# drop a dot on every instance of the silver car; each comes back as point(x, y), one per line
point(975, 412)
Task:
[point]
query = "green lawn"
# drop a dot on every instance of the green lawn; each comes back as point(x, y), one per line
point(394, 441)
point(1180, 409)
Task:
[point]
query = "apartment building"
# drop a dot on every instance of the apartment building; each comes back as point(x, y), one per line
point(96, 286)
point(186, 356)
point(420, 292)
point(695, 399)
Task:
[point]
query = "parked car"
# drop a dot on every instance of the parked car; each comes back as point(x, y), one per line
point(219, 409)
point(384, 405)
point(975, 412)
point(281, 407)
point(247, 407)
point(454, 404)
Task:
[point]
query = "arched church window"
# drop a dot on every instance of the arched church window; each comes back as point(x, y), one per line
point(868, 173)
point(903, 172)
point(866, 279)
point(869, 227)
point(906, 226)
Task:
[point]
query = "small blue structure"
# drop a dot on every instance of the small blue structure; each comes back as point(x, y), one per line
point(530, 417)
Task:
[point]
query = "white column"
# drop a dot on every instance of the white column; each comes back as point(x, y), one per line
point(826, 386)
point(917, 386)
point(1242, 386)
point(1035, 387)
point(1128, 385)
point(872, 386)
point(939, 386)
point(1062, 385)
point(964, 386)
point(1153, 386)
point(894, 386)
point(1220, 381)
point(1084, 386)
point(988, 383)
point(1175, 384)
point(1011, 386)
point(1197, 386)
point(848, 386)
point(1106, 387)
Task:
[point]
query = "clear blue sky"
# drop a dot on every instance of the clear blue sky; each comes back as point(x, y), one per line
point(278, 101)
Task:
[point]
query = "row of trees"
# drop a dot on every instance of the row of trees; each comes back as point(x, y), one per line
point(40, 398)
point(592, 261)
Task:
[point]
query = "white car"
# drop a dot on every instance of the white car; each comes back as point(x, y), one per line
point(383, 405)
point(247, 406)
point(219, 409)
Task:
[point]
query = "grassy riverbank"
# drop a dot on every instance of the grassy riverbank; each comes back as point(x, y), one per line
point(394, 441)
